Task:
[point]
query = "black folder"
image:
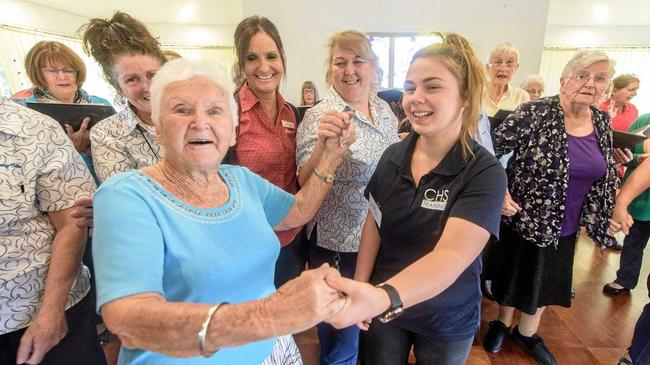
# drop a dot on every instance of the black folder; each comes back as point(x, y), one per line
point(73, 114)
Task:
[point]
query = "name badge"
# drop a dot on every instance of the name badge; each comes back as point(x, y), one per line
point(288, 124)
point(435, 199)
point(374, 210)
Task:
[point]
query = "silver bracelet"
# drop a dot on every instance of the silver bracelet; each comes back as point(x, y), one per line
point(204, 329)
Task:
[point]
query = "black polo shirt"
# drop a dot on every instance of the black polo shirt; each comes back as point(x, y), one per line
point(412, 221)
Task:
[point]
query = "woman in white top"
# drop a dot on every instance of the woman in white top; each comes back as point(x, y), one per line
point(129, 56)
point(504, 62)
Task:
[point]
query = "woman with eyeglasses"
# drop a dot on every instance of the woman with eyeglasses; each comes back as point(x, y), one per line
point(562, 175)
point(58, 74)
point(500, 94)
point(129, 56)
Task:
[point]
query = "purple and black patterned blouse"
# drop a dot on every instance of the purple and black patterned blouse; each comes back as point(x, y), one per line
point(538, 172)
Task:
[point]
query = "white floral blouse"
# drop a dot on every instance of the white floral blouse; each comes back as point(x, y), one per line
point(343, 212)
point(40, 172)
point(123, 143)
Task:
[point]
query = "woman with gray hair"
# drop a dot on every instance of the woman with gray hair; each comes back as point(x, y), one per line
point(500, 94)
point(534, 86)
point(185, 249)
point(555, 186)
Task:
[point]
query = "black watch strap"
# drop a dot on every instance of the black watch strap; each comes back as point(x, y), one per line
point(396, 306)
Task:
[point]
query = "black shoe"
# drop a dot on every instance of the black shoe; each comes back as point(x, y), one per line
point(535, 347)
point(495, 335)
point(612, 292)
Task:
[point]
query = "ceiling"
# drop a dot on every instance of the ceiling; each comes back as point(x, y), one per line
point(210, 12)
point(603, 12)
point(202, 12)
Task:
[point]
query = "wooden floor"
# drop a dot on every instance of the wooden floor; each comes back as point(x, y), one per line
point(596, 330)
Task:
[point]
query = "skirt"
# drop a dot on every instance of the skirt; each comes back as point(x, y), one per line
point(526, 276)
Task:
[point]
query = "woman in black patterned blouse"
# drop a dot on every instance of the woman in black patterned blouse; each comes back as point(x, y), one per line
point(561, 176)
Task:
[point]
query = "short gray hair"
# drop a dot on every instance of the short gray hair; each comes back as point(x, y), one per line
point(183, 69)
point(532, 79)
point(504, 49)
point(585, 58)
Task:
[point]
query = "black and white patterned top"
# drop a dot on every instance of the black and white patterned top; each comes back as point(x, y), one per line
point(121, 143)
point(538, 172)
point(341, 216)
point(40, 172)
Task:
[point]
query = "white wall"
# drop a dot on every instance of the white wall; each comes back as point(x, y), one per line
point(305, 27)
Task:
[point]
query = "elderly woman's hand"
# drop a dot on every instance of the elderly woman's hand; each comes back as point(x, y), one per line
point(306, 300)
point(509, 207)
point(336, 131)
point(364, 302)
point(622, 156)
point(81, 138)
point(621, 220)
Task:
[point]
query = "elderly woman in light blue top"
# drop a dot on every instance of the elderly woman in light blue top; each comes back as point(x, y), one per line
point(185, 250)
point(336, 229)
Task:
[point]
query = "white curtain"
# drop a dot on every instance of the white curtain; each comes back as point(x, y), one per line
point(15, 43)
point(628, 60)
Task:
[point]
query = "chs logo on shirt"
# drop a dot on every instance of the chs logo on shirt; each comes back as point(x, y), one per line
point(435, 199)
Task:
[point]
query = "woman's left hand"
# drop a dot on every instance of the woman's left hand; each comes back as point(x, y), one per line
point(364, 302)
point(622, 156)
point(81, 138)
point(45, 332)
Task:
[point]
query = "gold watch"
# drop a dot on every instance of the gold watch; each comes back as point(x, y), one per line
point(327, 178)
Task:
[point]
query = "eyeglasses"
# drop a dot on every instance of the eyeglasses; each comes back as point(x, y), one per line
point(55, 71)
point(499, 63)
point(586, 76)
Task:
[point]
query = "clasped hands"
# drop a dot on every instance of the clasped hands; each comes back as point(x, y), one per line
point(323, 294)
point(336, 131)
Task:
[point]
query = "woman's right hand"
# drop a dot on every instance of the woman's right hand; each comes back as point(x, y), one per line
point(336, 132)
point(81, 138)
point(509, 207)
point(306, 300)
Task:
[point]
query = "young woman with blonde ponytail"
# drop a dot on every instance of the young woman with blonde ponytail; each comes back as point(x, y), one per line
point(435, 201)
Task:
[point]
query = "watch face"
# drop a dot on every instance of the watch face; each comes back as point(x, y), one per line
point(329, 178)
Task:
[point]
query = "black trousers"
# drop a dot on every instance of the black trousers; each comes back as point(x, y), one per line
point(292, 259)
point(629, 269)
point(80, 345)
point(387, 344)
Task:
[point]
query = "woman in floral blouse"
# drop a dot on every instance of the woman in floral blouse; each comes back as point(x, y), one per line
point(561, 176)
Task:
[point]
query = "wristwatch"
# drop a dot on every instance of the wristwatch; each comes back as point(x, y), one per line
point(327, 178)
point(396, 307)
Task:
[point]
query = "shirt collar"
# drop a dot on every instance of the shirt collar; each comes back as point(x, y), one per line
point(247, 99)
point(451, 164)
point(374, 106)
point(131, 120)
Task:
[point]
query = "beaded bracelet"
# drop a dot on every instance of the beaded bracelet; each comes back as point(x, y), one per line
point(204, 329)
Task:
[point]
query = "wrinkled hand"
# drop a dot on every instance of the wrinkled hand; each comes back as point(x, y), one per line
point(306, 300)
point(622, 156)
point(45, 332)
point(81, 138)
point(364, 302)
point(83, 212)
point(621, 220)
point(337, 132)
point(509, 207)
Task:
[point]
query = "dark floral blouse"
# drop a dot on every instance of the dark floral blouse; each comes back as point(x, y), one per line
point(538, 172)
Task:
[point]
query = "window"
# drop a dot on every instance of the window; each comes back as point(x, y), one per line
point(395, 51)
